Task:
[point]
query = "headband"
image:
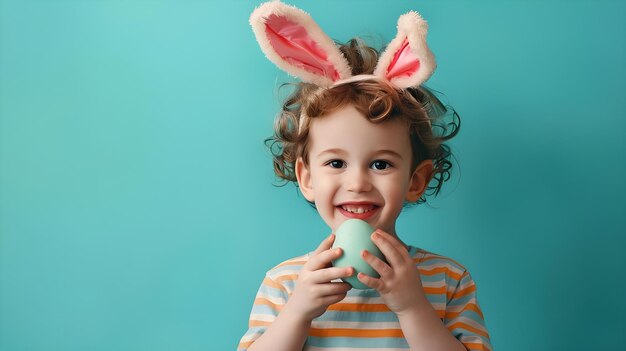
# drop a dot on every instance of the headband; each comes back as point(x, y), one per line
point(291, 39)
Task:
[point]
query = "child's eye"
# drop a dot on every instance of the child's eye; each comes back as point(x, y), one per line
point(335, 163)
point(380, 165)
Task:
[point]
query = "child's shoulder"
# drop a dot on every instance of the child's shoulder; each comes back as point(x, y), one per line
point(431, 261)
point(288, 267)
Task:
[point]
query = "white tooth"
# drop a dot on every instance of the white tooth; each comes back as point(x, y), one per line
point(356, 209)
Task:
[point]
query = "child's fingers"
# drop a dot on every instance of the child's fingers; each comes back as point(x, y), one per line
point(393, 240)
point(372, 282)
point(323, 259)
point(329, 289)
point(324, 245)
point(391, 252)
point(332, 273)
point(331, 299)
point(379, 265)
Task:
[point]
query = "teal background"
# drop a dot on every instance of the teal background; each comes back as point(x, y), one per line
point(137, 206)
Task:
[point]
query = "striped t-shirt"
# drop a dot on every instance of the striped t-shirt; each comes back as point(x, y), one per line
point(363, 321)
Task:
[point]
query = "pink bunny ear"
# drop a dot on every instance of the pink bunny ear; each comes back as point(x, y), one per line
point(294, 42)
point(407, 61)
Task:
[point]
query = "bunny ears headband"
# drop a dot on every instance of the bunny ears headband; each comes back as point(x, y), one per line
point(294, 42)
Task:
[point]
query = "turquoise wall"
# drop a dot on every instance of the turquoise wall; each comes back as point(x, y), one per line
point(137, 206)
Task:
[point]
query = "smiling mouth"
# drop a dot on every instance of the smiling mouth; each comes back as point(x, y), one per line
point(359, 212)
point(357, 209)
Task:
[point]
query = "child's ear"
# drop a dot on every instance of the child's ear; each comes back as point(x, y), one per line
point(303, 174)
point(419, 180)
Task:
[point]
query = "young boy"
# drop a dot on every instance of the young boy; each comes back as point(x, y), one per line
point(362, 147)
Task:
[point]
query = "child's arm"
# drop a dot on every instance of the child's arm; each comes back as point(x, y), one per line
point(288, 332)
point(313, 293)
point(423, 330)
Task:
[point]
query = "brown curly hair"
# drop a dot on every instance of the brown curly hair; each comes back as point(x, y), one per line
point(376, 100)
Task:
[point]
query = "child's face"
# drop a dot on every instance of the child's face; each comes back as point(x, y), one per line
point(358, 170)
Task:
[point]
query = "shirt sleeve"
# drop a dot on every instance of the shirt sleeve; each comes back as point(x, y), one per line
point(269, 300)
point(464, 317)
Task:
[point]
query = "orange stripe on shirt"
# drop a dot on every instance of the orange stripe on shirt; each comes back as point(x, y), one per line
point(357, 307)
point(257, 323)
point(245, 345)
point(436, 257)
point(464, 292)
point(272, 284)
point(438, 290)
point(469, 328)
point(264, 301)
point(440, 270)
point(475, 346)
point(468, 307)
point(356, 333)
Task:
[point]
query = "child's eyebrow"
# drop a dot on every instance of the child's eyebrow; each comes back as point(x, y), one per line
point(341, 151)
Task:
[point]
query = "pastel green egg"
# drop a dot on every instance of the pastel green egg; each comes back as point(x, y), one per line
point(354, 236)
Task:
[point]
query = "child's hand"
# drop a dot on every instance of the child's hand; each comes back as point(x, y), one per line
point(314, 291)
point(399, 284)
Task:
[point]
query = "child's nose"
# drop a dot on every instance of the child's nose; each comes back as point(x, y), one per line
point(358, 181)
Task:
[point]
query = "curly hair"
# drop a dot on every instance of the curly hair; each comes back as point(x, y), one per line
point(378, 101)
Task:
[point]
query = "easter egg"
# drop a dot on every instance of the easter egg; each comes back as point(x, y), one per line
point(353, 236)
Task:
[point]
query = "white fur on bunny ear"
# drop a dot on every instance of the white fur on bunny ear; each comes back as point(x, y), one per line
point(407, 61)
point(294, 42)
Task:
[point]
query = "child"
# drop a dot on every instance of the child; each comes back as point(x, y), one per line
point(357, 137)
